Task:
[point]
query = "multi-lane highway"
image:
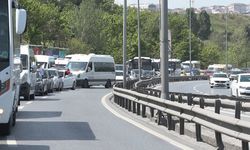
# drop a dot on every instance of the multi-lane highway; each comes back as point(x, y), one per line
point(77, 120)
point(198, 87)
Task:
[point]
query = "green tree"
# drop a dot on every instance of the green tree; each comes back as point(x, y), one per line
point(209, 55)
point(195, 26)
point(205, 25)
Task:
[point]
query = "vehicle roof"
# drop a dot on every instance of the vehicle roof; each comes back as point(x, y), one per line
point(92, 57)
point(243, 74)
point(44, 58)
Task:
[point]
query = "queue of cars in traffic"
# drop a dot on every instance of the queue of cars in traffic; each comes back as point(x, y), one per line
point(237, 81)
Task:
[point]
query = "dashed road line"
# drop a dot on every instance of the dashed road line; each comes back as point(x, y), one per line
point(11, 140)
point(30, 102)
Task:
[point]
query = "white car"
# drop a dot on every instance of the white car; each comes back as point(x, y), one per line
point(69, 80)
point(58, 82)
point(219, 80)
point(240, 87)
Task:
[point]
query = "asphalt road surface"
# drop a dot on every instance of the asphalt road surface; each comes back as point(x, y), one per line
point(76, 120)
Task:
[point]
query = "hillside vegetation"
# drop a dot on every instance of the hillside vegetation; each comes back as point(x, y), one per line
point(96, 26)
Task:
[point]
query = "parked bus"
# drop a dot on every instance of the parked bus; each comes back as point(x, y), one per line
point(93, 69)
point(12, 24)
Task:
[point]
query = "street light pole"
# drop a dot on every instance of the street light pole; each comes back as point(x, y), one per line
point(190, 37)
point(124, 42)
point(226, 41)
point(139, 40)
point(164, 49)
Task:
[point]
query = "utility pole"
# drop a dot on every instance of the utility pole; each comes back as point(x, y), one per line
point(190, 37)
point(164, 49)
point(124, 42)
point(139, 40)
point(226, 41)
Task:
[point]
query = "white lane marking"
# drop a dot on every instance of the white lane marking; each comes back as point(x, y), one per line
point(198, 91)
point(177, 144)
point(30, 102)
point(20, 107)
point(11, 140)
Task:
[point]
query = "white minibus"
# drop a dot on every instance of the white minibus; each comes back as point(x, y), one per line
point(93, 69)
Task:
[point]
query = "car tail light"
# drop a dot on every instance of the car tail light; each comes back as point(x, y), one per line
point(5, 86)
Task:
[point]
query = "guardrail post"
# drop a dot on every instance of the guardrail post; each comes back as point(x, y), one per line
point(198, 126)
point(181, 119)
point(180, 99)
point(169, 117)
point(134, 107)
point(138, 108)
point(143, 111)
point(152, 112)
point(126, 103)
point(238, 108)
point(159, 117)
point(218, 134)
point(129, 105)
point(190, 99)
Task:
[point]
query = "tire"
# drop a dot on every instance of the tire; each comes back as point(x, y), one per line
point(32, 96)
point(5, 128)
point(108, 84)
point(73, 86)
point(27, 95)
point(85, 83)
point(211, 86)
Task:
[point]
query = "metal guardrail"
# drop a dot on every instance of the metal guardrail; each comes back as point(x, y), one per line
point(137, 102)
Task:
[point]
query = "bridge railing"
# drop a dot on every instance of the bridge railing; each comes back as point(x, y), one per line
point(138, 101)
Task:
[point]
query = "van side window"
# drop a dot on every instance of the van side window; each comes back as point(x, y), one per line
point(104, 67)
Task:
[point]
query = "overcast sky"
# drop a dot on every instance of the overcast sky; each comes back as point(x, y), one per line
point(185, 3)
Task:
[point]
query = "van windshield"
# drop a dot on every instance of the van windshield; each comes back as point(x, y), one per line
point(77, 66)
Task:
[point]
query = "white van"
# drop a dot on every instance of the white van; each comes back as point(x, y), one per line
point(28, 74)
point(93, 69)
point(44, 61)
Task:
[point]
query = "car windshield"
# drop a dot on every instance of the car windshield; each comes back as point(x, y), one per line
point(77, 66)
point(220, 75)
point(60, 73)
point(52, 73)
point(245, 78)
point(119, 73)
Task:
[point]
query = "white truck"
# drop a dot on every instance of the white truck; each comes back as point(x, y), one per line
point(93, 69)
point(28, 75)
point(11, 17)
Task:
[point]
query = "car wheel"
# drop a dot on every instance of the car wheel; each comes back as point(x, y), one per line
point(108, 84)
point(211, 86)
point(85, 83)
point(32, 96)
point(74, 86)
